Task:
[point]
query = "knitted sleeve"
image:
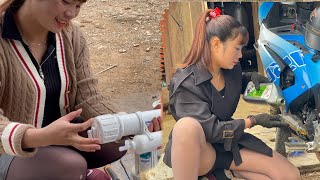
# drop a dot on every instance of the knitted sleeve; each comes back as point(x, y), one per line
point(88, 96)
point(11, 133)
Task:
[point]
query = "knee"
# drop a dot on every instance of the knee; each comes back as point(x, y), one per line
point(187, 129)
point(58, 162)
point(283, 169)
point(294, 174)
point(290, 173)
point(73, 163)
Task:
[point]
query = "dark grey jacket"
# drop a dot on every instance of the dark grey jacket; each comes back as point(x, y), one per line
point(192, 95)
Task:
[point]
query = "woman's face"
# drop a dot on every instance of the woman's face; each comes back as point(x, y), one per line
point(53, 15)
point(227, 55)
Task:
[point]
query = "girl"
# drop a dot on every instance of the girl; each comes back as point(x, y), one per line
point(203, 97)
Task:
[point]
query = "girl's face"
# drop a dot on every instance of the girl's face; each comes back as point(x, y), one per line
point(226, 55)
point(53, 15)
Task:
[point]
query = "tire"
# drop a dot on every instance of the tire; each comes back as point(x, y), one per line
point(282, 136)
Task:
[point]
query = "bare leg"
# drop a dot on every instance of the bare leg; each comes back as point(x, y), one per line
point(276, 167)
point(191, 154)
point(250, 175)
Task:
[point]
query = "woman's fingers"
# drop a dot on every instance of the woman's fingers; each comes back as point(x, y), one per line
point(160, 122)
point(70, 116)
point(86, 144)
point(87, 147)
point(150, 126)
point(156, 124)
point(82, 126)
point(82, 140)
point(279, 124)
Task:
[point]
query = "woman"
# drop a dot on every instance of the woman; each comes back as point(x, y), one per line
point(45, 83)
point(203, 97)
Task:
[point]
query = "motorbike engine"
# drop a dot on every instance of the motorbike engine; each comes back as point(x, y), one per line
point(310, 120)
point(303, 109)
point(303, 123)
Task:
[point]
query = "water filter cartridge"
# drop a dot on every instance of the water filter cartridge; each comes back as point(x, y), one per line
point(144, 143)
point(112, 127)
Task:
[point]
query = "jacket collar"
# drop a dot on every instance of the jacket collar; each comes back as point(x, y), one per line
point(201, 74)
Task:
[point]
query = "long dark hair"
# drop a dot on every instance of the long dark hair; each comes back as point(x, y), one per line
point(224, 27)
point(14, 4)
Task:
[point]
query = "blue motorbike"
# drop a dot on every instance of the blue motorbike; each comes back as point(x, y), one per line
point(289, 45)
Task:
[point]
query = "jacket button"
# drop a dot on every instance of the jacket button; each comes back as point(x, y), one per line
point(67, 92)
point(66, 106)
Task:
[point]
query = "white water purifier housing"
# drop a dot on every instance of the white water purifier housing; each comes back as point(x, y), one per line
point(112, 127)
point(143, 143)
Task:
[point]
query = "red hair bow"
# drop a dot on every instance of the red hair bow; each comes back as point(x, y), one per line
point(214, 13)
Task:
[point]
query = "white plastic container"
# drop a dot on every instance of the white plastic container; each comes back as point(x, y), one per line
point(144, 143)
point(112, 127)
point(147, 148)
point(145, 162)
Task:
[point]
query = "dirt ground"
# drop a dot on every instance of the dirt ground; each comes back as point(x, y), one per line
point(126, 36)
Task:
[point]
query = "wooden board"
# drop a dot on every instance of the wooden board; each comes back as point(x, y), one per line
point(119, 170)
point(181, 21)
point(256, 27)
point(123, 167)
point(128, 163)
point(166, 48)
point(182, 18)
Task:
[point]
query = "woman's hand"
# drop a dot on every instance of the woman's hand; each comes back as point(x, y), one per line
point(62, 132)
point(257, 79)
point(268, 121)
point(156, 124)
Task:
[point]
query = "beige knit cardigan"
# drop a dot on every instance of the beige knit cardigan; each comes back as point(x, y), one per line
point(22, 91)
